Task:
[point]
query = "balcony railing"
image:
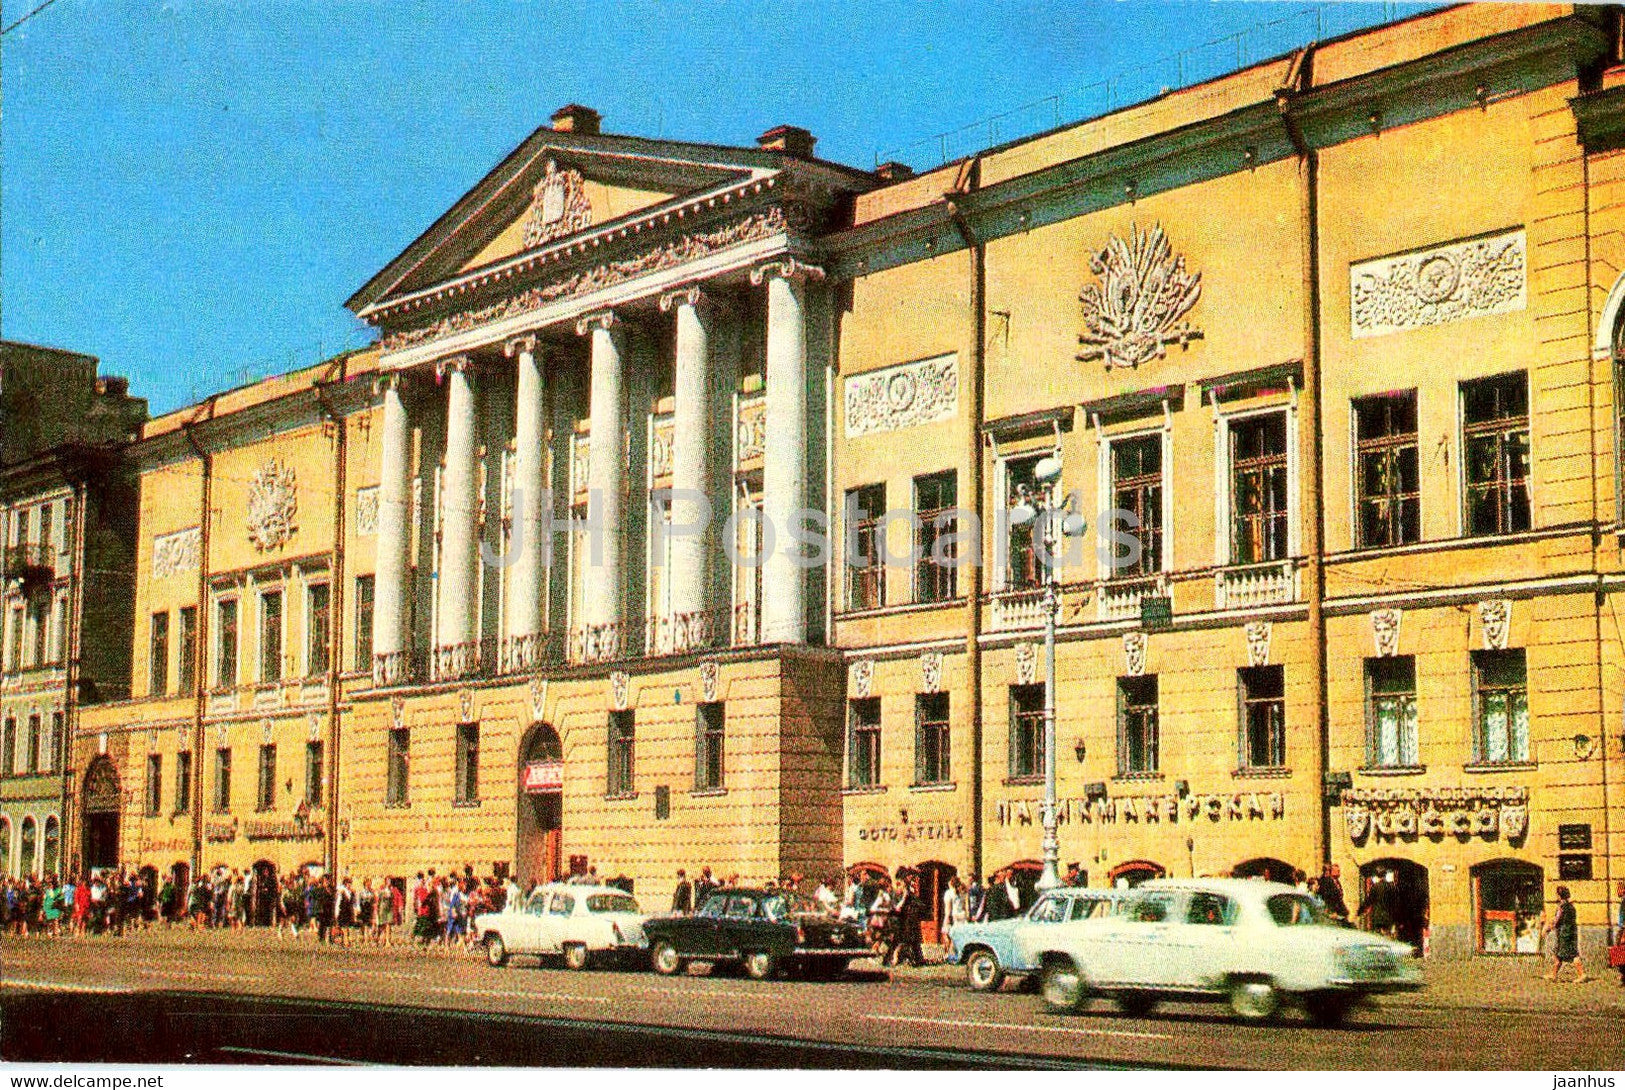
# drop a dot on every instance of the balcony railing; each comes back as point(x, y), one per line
point(1119, 599)
point(1017, 609)
point(521, 654)
point(597, 643)
point(1249, 586)
point(30, 561)
point(681, 633)
point(456, 661)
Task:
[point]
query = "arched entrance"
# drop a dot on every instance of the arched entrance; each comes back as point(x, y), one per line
point(1394, 899)
point(263, 911)
point(867, 872)
point(1271, 870)
point(934, 877)
point(101, 808)
point(539, 847)
point(1508, 899)
point(1130, 874)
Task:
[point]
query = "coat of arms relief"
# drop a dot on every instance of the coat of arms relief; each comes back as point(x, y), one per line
point(273, 503)
point(1136, 309)
point(558, 206)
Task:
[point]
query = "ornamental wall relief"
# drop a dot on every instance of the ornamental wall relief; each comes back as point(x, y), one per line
point(176, 553)
point(708, 682)
point(902, 396)
point(273, 503)
point(620, 690)
point(860, 678)
point(931, 672)
point(1436, 812)
point(1496, 618)
point(1134, 312)
point(1026, 663)
point(1438, 285)
point(1134, 644)
point(1385, 631)
point(366, 511)
point(558, 206)
point(1258, 642)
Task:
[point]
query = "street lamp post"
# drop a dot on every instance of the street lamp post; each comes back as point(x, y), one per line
point(1043, 507)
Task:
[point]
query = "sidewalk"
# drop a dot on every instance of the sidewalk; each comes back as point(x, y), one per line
point(1483, 983)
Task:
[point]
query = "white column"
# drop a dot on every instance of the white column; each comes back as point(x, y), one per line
point(459, 506)
point(394, 525)
point(525, 585)
point(784, 458)
point(692, 424)
point(606, 468)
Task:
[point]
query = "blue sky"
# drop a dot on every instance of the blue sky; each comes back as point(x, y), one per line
point(191, 189)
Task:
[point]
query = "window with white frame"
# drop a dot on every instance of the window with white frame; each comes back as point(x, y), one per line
point(1260, 518)
point(1135, 464)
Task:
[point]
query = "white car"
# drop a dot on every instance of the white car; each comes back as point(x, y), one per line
point(582, 924)
point(1259, 945)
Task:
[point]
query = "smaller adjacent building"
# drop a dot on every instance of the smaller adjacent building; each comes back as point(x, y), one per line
point(67, 524)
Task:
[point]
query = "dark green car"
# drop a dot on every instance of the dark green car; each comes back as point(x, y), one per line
point(762, 930)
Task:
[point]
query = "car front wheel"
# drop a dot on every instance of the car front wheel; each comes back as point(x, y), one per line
point(1254, 1000)
point(575, 956)
point(983, 972)
point(1063, 985)
point(496, 952)
point(759, 964)
point(667, 962)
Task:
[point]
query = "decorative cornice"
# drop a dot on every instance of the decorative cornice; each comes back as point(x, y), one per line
point(680, 251)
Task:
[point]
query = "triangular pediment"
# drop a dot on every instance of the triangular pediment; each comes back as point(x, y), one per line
point(553, 186)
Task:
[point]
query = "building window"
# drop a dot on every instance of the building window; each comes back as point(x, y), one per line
point(399, 764)
point(186, 668)
point(225, 657)
point(363, 622)
point(709, 740)
point(1026, 731)
point(863, 743)
point(14, 658)
point(313, 773)
point(932, 738)
point(158, 668)
point(183, 783)
point(1137, 489)
point(265, 797)
point(622, 752)
point(1495, 419)
point(48, 760)
point(8, 748)
point(318, 615)
point(155, 784)
point(1501, 706)
point(50, 861)
point(1258, 489)
point(271, 636)
point(39, 622)
point(1022, 570)
point(1137, 727)
point(935, 570)
point(865, 572)
point(1263, 716)
point(1390, 686)
point(31, 753)
point(467, 765)
point(1511, 902)
point(59, 632)
point(222, 780)
point(1387, 470)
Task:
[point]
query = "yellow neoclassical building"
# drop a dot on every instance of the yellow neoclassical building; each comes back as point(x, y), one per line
point(1333, 335)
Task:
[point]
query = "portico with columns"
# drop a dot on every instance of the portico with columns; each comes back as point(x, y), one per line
point(603, 374)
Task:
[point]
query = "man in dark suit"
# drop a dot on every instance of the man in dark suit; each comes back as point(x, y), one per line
point(703, 887)
point(682, 900)
point(1006, 899)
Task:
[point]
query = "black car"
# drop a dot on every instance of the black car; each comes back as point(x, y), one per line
point(762, 929)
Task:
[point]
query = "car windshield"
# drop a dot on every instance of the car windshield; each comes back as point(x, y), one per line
point(1295, 910)
point(611, 902)
point(782, 906)
point(1048, 910)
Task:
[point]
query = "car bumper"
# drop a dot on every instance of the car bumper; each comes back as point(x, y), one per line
point(832, 952)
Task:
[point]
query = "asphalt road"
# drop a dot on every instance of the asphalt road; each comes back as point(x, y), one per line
point(183, 997)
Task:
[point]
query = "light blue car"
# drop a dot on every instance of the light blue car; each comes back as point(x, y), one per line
point(988, 950)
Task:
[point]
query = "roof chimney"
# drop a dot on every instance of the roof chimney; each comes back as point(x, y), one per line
point(576, 118)
point(789, 139)
point(893, 171)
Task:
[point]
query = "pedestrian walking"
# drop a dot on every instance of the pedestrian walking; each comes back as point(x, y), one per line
point(1566, 938)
